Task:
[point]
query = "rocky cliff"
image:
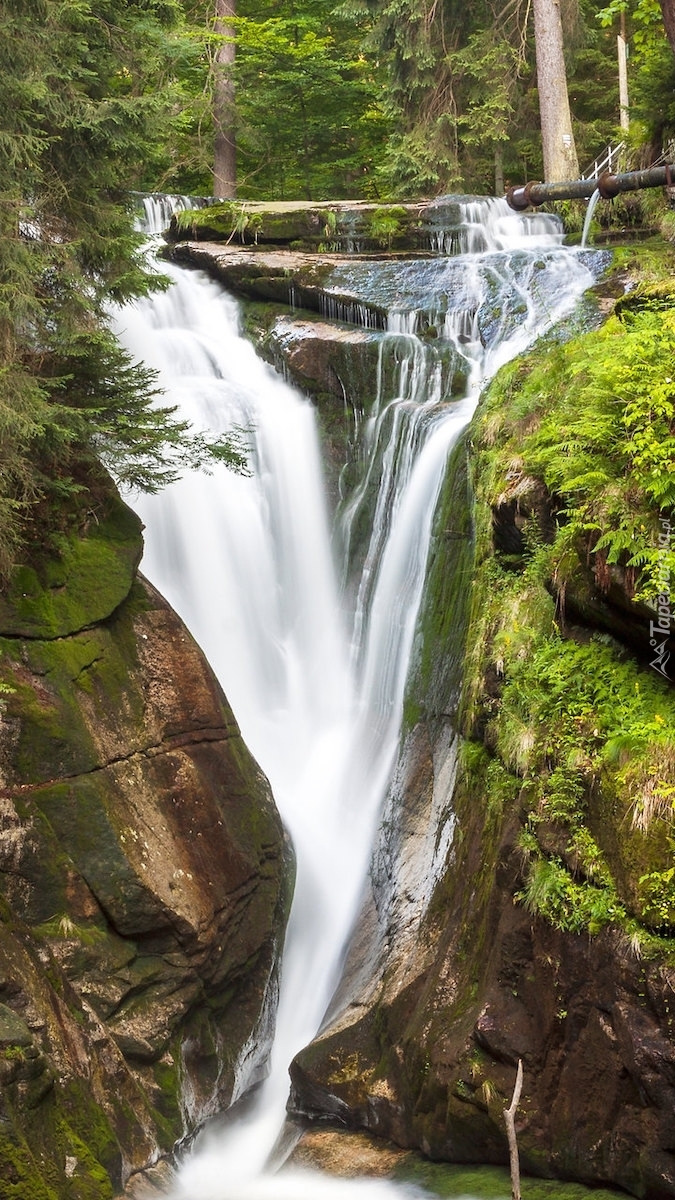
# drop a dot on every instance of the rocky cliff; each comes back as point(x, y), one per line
point(143, 873)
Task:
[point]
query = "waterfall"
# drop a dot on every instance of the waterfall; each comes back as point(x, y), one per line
point(316, 679)
point(592, 205)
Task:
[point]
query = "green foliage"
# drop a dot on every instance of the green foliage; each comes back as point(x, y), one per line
point(314, 129)
point(585, 735)
point(385, 224)
point(552, 893)
point(606, 449)
point(658, 895)
point(651, 69)
point(462, 85)
point(85, 102)
point(309, 121)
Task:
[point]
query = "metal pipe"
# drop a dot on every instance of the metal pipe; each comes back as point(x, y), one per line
point(607, 184)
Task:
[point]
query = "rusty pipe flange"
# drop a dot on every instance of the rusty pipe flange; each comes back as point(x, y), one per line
point(608, 185)
point(516, 199)
point(520, 198)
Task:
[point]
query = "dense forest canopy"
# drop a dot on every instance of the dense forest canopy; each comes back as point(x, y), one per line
point(364, 98)
point(391, 98)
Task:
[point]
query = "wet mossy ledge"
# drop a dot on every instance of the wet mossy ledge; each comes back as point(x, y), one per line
point(550, 935)
point(343, 226)
point(144, 874)
point(81, 580)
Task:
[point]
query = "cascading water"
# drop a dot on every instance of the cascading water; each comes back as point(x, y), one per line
point(247, 562)
point(592, 205)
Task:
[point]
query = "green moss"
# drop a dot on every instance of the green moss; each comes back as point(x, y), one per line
point(438, 653)
point(83, 814)
point(37, 1140)
point(569, 717)
point(167, 1101)
point(490, 1183)
point(81, 584)
point(21, 1176)
point(60, 687)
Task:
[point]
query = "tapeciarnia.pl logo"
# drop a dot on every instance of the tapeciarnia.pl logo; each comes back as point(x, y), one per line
point(659, 629)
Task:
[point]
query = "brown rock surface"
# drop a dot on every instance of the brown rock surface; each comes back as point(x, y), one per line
point(288, 277)
point(430, 1061)
point(144, 879)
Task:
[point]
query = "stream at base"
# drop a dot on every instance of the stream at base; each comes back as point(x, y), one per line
point(316, 674)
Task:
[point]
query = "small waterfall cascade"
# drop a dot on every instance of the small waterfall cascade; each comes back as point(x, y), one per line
point(159, 209)
point(316, 672)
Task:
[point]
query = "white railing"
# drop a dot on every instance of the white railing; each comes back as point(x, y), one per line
point(606, 163)
point(668, 155)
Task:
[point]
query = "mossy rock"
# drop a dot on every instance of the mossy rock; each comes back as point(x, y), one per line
point(489, 1183)
point(80, 585)
point(14, 1033)
point(253, 223)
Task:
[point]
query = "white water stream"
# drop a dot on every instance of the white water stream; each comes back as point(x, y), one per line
point(247, 562)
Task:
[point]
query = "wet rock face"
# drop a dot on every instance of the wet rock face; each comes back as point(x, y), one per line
point(431, 1062)
point(143, 874)
point(334, 364)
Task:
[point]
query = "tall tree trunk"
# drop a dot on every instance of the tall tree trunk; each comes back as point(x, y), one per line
point(622, 53)
point(225, 145)
point(499, 169)
point(668, 10)
point(560, 155)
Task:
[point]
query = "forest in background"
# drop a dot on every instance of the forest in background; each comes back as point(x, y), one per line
point(375, 99)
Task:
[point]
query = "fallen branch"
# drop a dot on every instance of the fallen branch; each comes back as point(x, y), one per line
point(510, 1122)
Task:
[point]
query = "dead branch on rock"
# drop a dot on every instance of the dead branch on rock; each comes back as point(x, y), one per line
point(510, 1122)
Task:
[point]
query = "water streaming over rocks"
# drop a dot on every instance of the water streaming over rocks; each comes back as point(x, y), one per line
point(316, 674)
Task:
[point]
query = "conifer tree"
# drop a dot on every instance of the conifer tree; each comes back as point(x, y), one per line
point(83, 109)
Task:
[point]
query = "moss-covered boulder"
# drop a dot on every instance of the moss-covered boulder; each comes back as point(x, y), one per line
point(143, 873)
point(79, 582)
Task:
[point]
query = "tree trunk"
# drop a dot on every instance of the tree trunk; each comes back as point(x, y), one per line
point(668, 10)
point(499, 169)
point(622, 52)
point(560, 155)
point(225, 168)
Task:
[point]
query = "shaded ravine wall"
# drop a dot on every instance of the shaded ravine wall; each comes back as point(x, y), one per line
point(144, 875)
